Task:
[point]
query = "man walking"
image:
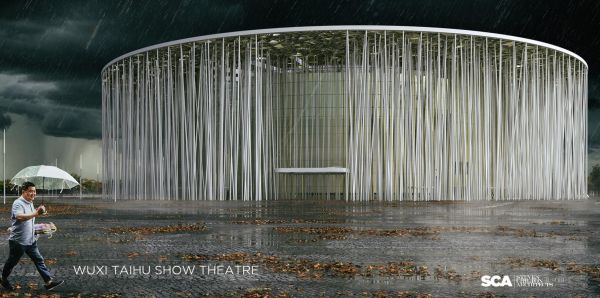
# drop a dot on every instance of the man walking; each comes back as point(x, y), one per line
point(22, 238)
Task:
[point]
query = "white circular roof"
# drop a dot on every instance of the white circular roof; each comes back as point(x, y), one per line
point(348, 28)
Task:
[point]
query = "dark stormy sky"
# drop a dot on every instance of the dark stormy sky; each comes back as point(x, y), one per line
point(52, 52)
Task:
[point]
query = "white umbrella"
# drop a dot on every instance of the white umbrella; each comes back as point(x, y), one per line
point(45, 177)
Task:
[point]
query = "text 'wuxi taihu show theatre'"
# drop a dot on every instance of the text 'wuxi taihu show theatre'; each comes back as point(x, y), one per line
point(346, 112)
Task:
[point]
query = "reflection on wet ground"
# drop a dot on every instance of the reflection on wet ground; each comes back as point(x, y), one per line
point(311, 248)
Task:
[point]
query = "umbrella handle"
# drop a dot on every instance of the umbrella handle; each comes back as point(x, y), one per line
point(46, 212)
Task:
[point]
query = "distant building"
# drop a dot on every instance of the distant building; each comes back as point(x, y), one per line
point(351, 112)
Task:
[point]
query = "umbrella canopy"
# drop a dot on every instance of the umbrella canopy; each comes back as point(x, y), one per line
point(45, 177)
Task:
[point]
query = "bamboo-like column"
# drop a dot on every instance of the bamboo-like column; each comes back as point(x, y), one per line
point(409, 115)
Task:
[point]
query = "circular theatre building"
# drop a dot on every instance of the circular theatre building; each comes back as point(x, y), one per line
point(346, 112)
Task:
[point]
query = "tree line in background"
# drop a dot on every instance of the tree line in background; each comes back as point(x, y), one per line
point(90, 186)
point(594, 180)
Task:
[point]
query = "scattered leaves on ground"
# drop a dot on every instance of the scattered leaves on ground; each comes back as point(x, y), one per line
point(71, 253)
point(519, 232)
point(249, 293)
point(535, 263)
point(522, 232)
point(354, 213)
point(339, 233)
point(279, 221)
point(558, 222)
point(397, 269)
point(448, 274)
point(156, 230)
point(383, 294)
point(481, 295)
point(262, 292)
point(592, 270)
point(50, 261)
point(109, 295)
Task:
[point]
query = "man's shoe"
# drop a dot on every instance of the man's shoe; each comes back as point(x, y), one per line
point(54, 284)
point(6, 285)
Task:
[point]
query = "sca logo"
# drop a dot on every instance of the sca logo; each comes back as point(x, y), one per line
point(495, 281)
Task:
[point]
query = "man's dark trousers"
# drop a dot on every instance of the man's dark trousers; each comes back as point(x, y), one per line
point(16, 252)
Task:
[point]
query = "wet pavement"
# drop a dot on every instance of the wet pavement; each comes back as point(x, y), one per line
point(314, 248)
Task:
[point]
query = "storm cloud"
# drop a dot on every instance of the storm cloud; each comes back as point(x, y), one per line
point(5, 121)
point(51, 53)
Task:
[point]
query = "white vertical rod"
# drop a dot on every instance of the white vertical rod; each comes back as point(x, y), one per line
point(4, 165)
point(80, 175)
